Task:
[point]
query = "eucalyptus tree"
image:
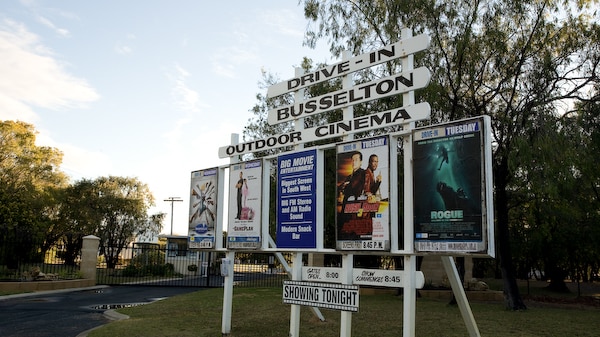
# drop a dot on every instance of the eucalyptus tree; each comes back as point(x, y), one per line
point(30, 180)
point(511, 60)
point(120, 214)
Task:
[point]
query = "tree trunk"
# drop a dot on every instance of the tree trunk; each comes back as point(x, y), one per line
point(512, 295)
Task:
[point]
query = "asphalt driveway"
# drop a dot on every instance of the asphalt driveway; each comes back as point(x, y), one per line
point(69, 313)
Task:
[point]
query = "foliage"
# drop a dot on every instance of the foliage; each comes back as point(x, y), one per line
point(165, 269)
point(119, 207)
point(149, 257)
point(149, 263)
point(40, 209)
point(29, 185)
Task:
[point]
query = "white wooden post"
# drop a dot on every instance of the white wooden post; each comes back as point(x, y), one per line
point(295, 309)
point(410, 261)
point(346, 316)
point(230, 257)
point(460, 295)
point(228, 294)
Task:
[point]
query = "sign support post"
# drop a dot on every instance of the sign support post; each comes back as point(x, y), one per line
point(295, 308)
point(227, 292)
point(228, 269)
point(346, 316)
point(460, 295)
point(288, 270)
point(410, 260)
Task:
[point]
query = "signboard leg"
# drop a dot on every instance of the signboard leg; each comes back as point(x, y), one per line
point(459, 294)
point(346, 316)
point(295, 309)
point(227, 293)
point(410, 296)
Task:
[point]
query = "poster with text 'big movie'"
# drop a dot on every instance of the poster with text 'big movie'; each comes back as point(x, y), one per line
point(452, 184)
point(203, 208)
point(245, 204)
point(363, 212)
point(296, 201)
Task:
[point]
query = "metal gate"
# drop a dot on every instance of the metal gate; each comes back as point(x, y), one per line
point(154, 265)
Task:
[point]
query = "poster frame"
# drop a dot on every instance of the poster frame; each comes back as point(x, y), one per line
point(460, 136)
point(365, 208)
point(204, 203)
point(245, 205)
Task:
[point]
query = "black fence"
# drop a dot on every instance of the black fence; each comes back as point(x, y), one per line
point(152, 265)
point(28, 261)
point(141, 264)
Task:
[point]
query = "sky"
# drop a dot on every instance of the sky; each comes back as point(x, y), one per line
point(144, 88)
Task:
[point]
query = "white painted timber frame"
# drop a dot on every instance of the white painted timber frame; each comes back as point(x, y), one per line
point(408, 279)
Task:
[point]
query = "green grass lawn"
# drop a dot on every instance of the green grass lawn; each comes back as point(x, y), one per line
point(259, 312)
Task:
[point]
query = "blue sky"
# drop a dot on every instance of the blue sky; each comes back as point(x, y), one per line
point(143, 88)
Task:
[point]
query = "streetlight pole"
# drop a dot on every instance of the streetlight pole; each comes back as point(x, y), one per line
point(172, 200)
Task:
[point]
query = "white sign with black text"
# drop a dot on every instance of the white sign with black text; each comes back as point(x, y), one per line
point(370, 277)
point(323, 295)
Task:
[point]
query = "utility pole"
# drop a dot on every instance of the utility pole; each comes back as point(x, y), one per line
point(172, 200)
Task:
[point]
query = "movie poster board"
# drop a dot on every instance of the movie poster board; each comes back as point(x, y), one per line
point(245, 205)
point(203, 208)
point(297, 200)
point(453, 210)
point(363, 212)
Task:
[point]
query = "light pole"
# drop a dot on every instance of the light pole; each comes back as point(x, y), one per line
point(172, 200)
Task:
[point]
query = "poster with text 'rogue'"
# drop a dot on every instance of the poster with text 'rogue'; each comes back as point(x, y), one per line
point(452, 187)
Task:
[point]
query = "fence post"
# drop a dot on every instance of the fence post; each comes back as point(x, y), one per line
point(89, 257)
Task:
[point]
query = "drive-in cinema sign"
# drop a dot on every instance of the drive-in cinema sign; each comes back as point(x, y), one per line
point(372, 121)
point(384, 54)
point(387, 86)
point(323, 295)
point(384, 87)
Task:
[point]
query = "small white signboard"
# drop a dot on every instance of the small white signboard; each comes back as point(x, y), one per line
point(370, 277)
point(323, 295)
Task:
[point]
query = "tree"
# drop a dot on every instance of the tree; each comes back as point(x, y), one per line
point(30, 181)
point(79, 215)
point(118, 207)
point(512, 60)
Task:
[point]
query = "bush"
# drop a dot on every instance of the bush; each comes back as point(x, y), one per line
point(154, 257)
point(166, 269)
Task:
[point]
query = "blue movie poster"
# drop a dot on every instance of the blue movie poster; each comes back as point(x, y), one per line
point(449, 188)
point(296, 202)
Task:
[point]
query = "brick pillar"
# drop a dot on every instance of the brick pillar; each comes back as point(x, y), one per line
point(89, 257)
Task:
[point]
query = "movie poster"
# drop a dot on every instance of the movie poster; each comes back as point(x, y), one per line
point(297, 200)
point(363, 213)
point(450, 188)
point(203, 208)
point(245, 204)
